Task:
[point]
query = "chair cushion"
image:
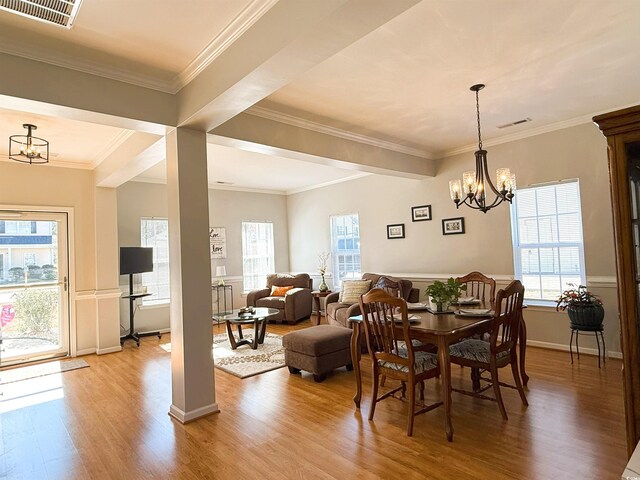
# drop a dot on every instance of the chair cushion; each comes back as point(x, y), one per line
point(280, 291)
point(271, 302)
point(352, 289)
point(318, 340)
point(424, 361)
point(402, 346)
point(475, 350)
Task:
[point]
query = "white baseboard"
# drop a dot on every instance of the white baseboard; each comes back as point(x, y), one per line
point(186, 417)
point(565, 348)
point(160, 330)
point(104, 351)
point(85, 351)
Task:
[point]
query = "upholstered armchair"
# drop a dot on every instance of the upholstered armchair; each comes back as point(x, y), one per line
point(294, 303)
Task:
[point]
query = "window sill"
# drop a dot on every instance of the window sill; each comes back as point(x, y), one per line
point(156, 304)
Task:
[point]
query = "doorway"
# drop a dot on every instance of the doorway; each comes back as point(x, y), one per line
point(34, 290)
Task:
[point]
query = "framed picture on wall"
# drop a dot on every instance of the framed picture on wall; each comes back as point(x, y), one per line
point(395, 231)
point(218, 242)
point(421, 213)
point(453, 226)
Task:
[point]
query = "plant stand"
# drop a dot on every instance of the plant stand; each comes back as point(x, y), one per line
point(595, 331)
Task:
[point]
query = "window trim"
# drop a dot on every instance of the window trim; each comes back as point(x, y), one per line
point(517, 247)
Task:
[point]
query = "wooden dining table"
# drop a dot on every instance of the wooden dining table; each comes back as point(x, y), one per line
point(441, 330)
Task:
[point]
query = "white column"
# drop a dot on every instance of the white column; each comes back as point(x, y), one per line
point(193, 389)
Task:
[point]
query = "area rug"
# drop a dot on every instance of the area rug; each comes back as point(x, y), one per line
point(40, 370)
point(244, 362)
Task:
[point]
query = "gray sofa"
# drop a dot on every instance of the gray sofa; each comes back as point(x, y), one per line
point(339, 313)
point(294, 306)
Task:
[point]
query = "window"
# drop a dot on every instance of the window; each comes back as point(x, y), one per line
point(257, 254)
point(345, 247)
point(154, 232)
point(546, 224)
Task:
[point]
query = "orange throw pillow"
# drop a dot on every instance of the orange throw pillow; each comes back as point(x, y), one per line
point(280, 291)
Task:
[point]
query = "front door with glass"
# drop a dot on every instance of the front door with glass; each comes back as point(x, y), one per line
point(34, 313)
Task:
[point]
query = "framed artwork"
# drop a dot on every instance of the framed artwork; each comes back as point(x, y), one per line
point(395, 230)
point(218, 242)
point(421, 213)
point(453, 226)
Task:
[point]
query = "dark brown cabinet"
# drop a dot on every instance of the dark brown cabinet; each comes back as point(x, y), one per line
point(622, 129)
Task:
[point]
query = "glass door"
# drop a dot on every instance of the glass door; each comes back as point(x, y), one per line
point(34, 299)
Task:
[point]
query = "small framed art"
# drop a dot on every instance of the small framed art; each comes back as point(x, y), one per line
point(453, 226)
point(395, 231)
point(421, 213)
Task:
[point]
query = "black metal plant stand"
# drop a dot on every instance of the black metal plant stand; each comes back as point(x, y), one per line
point(595, 331)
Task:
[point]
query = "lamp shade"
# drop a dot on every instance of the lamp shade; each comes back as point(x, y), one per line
point(221, 271)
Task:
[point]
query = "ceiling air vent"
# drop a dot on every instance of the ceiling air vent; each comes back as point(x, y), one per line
point(517, 122)
point(57, 12)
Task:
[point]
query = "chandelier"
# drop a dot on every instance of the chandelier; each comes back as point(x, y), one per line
point(27, 148)
point(472, 191)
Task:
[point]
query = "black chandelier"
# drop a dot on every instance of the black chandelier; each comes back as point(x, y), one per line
point(27, 148)
point(472, 191)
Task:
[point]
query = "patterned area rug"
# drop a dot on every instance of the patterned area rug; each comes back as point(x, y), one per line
point(244, 362)
point(41, 369)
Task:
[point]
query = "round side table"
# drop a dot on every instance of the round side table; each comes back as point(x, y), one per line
point(317, 295)
point(595, 331)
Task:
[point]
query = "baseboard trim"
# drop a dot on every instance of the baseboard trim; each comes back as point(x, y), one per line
point(104, 351)
point(186, 417)
point(565, 348)
point(85, 351)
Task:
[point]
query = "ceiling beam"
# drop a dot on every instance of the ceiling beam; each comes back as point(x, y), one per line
point(258, 134)
point(288, 40)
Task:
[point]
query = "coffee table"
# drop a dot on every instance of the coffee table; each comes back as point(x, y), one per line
point(258, 319)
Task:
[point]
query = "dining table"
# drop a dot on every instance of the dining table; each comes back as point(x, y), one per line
point(440, 329)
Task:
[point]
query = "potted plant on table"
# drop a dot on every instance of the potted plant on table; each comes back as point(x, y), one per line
point(585, 309)
point(322, 270)
point(441, 294)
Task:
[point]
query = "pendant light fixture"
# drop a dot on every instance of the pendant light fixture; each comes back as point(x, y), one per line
point(27, 148)
point(475, 185)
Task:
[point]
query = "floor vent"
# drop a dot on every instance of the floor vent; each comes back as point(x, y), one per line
point(56, 12)
point(517, 122)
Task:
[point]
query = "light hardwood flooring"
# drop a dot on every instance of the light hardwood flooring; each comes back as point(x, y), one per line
point(110, 421)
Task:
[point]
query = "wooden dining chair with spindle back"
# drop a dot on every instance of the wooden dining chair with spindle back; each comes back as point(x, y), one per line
point(499, 351)
point(386, 327)
point(479, 286)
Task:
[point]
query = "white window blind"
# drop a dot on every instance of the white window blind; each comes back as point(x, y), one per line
point(257, 254)
point(345, 248)
point(154, 232)
point(546, 224)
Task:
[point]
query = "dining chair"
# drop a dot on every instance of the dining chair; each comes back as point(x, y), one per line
point(499, 351)
point(480, 286)
point(392, 353)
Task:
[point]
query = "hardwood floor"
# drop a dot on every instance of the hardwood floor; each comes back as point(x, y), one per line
point(110, 421)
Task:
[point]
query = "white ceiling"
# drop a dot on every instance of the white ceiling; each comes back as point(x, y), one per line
point(407, 82)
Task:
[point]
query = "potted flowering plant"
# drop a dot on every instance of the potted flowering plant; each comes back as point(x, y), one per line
point(322, 270)
point(585, 310)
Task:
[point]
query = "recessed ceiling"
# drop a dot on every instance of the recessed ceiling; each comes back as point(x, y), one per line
point(408, 81)
point(259, 172)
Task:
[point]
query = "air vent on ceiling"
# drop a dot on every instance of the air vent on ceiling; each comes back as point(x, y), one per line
point(517, 122)
point(56, 12)
point(220, 182)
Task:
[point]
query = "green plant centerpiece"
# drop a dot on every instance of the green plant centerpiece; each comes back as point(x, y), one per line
point(443, 293)
point(585, 309)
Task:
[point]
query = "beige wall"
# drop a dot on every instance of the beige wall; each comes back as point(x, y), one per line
point(577, 152)
point(226, 209)
point(46, 186)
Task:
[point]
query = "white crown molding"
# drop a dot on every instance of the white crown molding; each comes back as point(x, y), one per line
point(111, 146)
point(213, 186)
point(240, 24)
point(552, 127)
point(292, 120)
point(327, 184)
point(87, 66)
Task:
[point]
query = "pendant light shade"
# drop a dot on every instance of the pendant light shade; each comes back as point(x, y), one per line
point(27, 148)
